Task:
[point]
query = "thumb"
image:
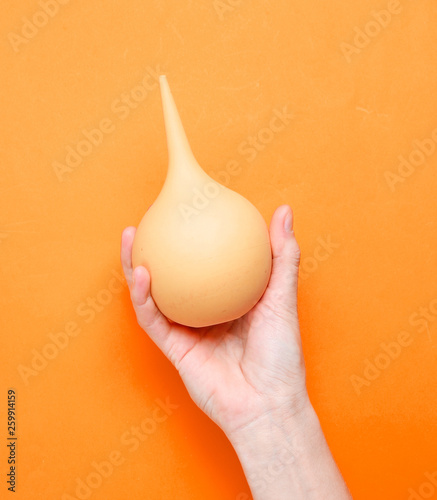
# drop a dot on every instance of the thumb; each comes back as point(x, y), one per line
point(281, 293)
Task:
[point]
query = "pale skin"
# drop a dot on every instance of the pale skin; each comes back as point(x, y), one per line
point(248, 376)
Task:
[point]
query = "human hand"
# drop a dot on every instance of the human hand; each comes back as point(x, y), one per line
point(248, 375)
point(238, 371)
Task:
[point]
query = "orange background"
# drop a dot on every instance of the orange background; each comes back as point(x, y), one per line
point(353, 114)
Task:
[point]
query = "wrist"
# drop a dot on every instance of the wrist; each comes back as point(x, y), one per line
point(285, 455)
point(282, 431)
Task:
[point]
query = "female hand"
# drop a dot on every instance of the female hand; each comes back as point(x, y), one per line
point(236, 372)
point(248, 376)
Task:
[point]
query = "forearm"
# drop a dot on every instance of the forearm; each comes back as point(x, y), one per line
point(287, 458)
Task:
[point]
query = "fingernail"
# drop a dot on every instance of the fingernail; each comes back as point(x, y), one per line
point(287, 222)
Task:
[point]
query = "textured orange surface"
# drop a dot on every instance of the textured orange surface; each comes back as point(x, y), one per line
point(352, 149)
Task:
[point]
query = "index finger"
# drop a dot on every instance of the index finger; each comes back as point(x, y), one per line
point(127, 239)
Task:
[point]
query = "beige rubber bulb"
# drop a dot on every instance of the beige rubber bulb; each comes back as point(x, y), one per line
point(206, 247)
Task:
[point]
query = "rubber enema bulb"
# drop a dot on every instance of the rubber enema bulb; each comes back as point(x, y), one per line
point(207, 248)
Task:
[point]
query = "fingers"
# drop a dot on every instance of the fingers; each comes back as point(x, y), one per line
point(175, 343)
point(127, 239)
point(148, 315)
point(282, 235)
point(282, 288)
